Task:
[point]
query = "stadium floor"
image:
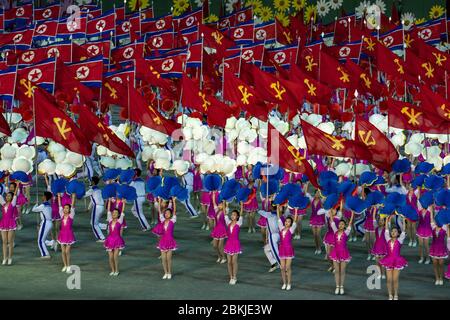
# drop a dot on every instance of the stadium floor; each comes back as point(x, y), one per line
point(196, 275)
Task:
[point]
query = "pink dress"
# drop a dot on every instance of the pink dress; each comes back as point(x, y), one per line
point(438, 249)
point(370, 222)
point(205, 198)
point(211, 211)
point(285, 248)
point(328, 239)
point(198, 185)
point(233, 245)
point(424, 227)
point(393, 259)
point(252, 204)
point(8, 220)
point(114, 240)
point(21, 199)
point(262, 221)
point(339, 252)
point(447, 274)
point(316, 220)
point(167, 242)
point(66, 235)
point(380, 245)
point(220, 229)
point(118, 204)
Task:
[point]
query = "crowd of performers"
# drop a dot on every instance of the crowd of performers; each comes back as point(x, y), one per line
point(406, 207)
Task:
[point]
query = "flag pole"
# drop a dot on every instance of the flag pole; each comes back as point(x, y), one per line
point(201, 62)
point(36, 155)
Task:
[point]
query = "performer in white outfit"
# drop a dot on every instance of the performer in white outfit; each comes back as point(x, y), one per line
point(45, 210)
point(273, 237)
point(138, 209)
point(97, 207)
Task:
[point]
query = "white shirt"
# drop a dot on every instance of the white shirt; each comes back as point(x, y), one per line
point(272, 221)
point(96, 196)
point(45, 210)
point(188, 180)
point(139, 185)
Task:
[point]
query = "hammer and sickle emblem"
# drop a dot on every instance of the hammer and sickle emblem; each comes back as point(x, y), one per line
point(296, 154)
point(217, 37)
point(112, 91)
point(367, 138)
point(408, 40)
point(311, 88)
point(370, 44)
point(245, 94)
point(287, 36)
point(337, 143)
point(366, 80)
point(412, 116)
point(155, 72)
point(400, 67)
point(344, 76)
point(439, 58)
point(61, 125)
point(310, 63)
point(101, 126)
point(278, 89)
point(429, 68)
point(206, 103)
point(446, 111)
point(28, 86)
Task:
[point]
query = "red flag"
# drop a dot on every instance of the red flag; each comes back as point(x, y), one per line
point(28, 78)
point(4, 127)
point(55, 124)
point(71, 88)
point(157, 24)
point(89, 72)
point(427, 71)
point(314, 91)
point(96, 131)
point(367, 83)
point(163, 40)
point(46, 29)
point(47, 13)
point(321, 143)
point(7, 83)
point(383, 152)
point(281, 152)
point(283, 34)
point(335, 74)
point(435, 103)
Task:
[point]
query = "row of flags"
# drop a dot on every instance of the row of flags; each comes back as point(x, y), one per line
point(224, 69)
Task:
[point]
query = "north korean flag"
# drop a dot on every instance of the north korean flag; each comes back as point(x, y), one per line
point(89, 72)
point(249, 53)
point(188, 20)
point(101, 25)
point(73, 27)
point(283, 57)
point(156, 24)
point(7, 83)
point(431, 31)
point(265, 32)
point(2, 20)
point(17, 40)
point(187, 36)
point(62, 50)
point(92, 10)
point(128, 52)
point(169, 65)
point(144, 14)
point(46, 13)
point(23, 12)
point(90, 49)
point(46, 29)
point(123, 28)
point(346, 51)
point(242, 33)
point(393, 39)
point(230, 64)
point(135, 27)
point(163, 40)
point(236, 18)
point(122, 76)
point(194, 55)
point(41, 74)
point(227, 21)
point(120, 12)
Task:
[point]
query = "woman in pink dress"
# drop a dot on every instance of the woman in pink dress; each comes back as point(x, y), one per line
point(285, 248)
point(393, 261)
point(316, 221)
point(424, 233)
point(438, 251)
point(197, 183)
point(219, 233)
point(411, 199)
point(328, 239)
point(251, 206)
point(232, 247)
point(8, 225)
point(369, 230)
point(114, 241)
point(379, 249)
point(339, 252)
point(66, 236)
point(167, 243)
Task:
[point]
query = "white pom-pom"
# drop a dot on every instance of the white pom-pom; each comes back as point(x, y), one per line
point(412, 148)
point(22, 164)
point(348, 127)
point(59, 157)
point(209, 146)
point(293, 140)
point(241, 160)
point(187, 133)
point(229, 166)
point(75, 159)
point(283, 127)
point(443, 138)
point(343, 169)
point(376, 118)
point(19, 136)
point(360, 168)
point(314, 119)
point(230, 124)
point(13, 118)
point(254, 122)
point(47, 166)
point(207, 165)
point(327, 127)
point(6, 164)
point(180, 166)
point(26, 152)
point(232, 135)
point(243, 147)
point(8, 151)
point(446, 159)
point(147, 153)
point(417, 138)
point(101, 150)
point(161, 154)
point(124, 163)
point(302, 142)
point(108, 162)
point(197, 133)
point(65, 169)
point(398, 140)
point(162, 163)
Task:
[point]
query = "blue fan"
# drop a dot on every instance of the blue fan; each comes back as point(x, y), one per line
point(396, 199)
point(270, 187)
point(179, 192)
point(304, 178)
point(380, 180)
point(153, 183)
point(126, 176)
point(331, 201)
point(126, 192)
point(281, 197)
point(401, 166)
point(280, 174)
point(326, 176)
point(59, 186)
point(408, 212)
point(424, 167)
point(291, 189)
point(346, 188)
point(298, 202)
point(434, 182)
point(446, 169)
point(243, 194)
point(212, 182)
point(367, 178)
point(232, 184)
point(329, 187)
point(227, 195)
point(426, 199)
point(76, 187)
point(110, 190)
point(162, 192)
point(442, 198)
point(256, 171)
point(374, 198)
point(355, 204)
point(170, 182)
point(2, 174)
point(442, 218)
point(20, 176)
point(111, 174)
point(388, 208)
point(418, 181)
